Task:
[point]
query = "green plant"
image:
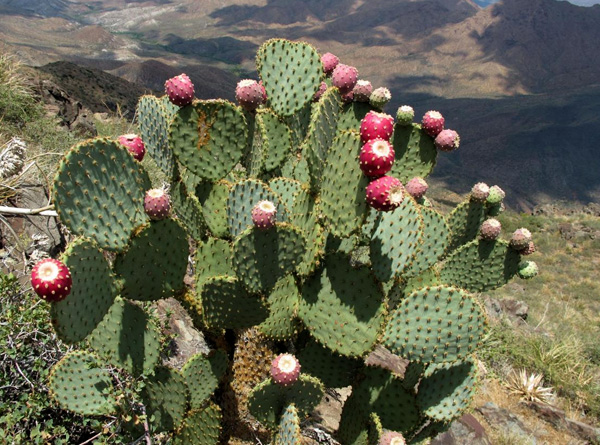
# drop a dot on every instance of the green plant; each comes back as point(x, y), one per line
point(331, 281)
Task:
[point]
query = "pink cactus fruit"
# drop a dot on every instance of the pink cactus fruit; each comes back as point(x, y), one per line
point(416, 187)
point(51, 280)
point(134, 144)
point(264, 214)
point(362, 91)
point(529, 249)
point(376, 158)
point(433, 123)
point(264, 92)
point(249, 94)
point(380, 97)
point(392, 438)
point(480, 192)
point(157, 203)
point(320, 91)
point(329, 61)
point(348, 97)
point(285, 369)
point(520, 239)
point(180, 90)
point(385, 193)
point(376, 125)
point(447, 140)
point(344, 77)
point(490, 229)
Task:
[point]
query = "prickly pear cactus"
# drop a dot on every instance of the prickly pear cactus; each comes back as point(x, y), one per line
point(330, 281)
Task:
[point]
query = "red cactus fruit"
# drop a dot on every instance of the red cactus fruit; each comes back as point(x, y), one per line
point(416, 187)
point(392, 438)
point(180, 90)
point(285, 369)
point(264, 214)
point(433, 123)
point(51, 280)
point(529, 249)
point(320, 91)
point(264, 92)
point(480, 192)
point(376, 158)
point(385, 193)
point(447, 140)
point(344, 77)
point(134, 144)
point(250, 94)
point(157, 203)
point(520, 239)
point(362, 91)
point(376, 125)
point(348, 97)
point(329, 61)
point(490, 229)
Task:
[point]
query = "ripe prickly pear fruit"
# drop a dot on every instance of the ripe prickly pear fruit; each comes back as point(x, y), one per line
point(480, 192)
point(520, 239)
point(385, 193)
point(285, 369)
point(249, 94)
point(262, 89)
point(264, 214)
point(344, 77)
point(380, 97)
point(376, 158)
point(157, 203)
point(490, 229)
point(320, 91)
point(362, 91)
point(405, 115)
point(433, 123)
point(180, 90)
point(496, 195)
point(447, 140)
point(134, 144)
point(416, 187)
point(527, 269)
point(348, 97)
point(529, 249)
point(376, 125)
point(392, 438)
point(51, 280)
point(329, 61)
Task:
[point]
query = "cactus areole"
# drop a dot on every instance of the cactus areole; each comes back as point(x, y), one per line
point(51, 280)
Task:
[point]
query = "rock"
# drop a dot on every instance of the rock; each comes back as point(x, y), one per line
point(511, 309)
point(558, 418)
point(383, 358)
point(502, 419)
point(464, 431)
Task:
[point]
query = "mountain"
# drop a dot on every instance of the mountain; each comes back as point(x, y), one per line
point(518, 79)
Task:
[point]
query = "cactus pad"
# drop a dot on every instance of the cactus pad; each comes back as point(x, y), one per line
point(276, 139)
point(464, 222)
point(288, 431)
point(200, 427)
point(188, 211)
point(213, 198)
point(415, 152)
point(334, 370)
point(435, 238)
point(283, 305)
point(213, 258)
point(202, 375)
point(165, 395)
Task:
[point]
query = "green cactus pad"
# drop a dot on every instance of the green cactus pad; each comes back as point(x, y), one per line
point(435, 240)
point(304, 216)
point(276, 139)
point(298, 124)
point(153, 121)
point(436, 325)
point(354, 423)
point(464, 223)
point(155, 263)
point(127, 338)
point(334, 370)
point(92, 293)
point(286, 189)
point(242, 198)
point(396, 240)
point(213, 258)
point(268, 400)
point(432, 429)
point(213, 198)
point(481, 265)
point(165, 396)
point(342, 307)
point(375, 429)
point(99, 193)
point(227, 305)
point(343, 196)
point(412, 375)
point(188, 211)
point(202, 375)
point(200, 427)
point(283, 305)
point(446, 391)
point(261, 257)
point(351, 116)
point(415, 153)
point(208, 137)
point(291, 73)
point(80, 383)
point(288, 431)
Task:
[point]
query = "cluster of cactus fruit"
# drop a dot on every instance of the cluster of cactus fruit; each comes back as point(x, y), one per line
point(315, 246)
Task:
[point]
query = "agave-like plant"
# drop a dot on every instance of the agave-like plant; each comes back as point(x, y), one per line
point(530, 386)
